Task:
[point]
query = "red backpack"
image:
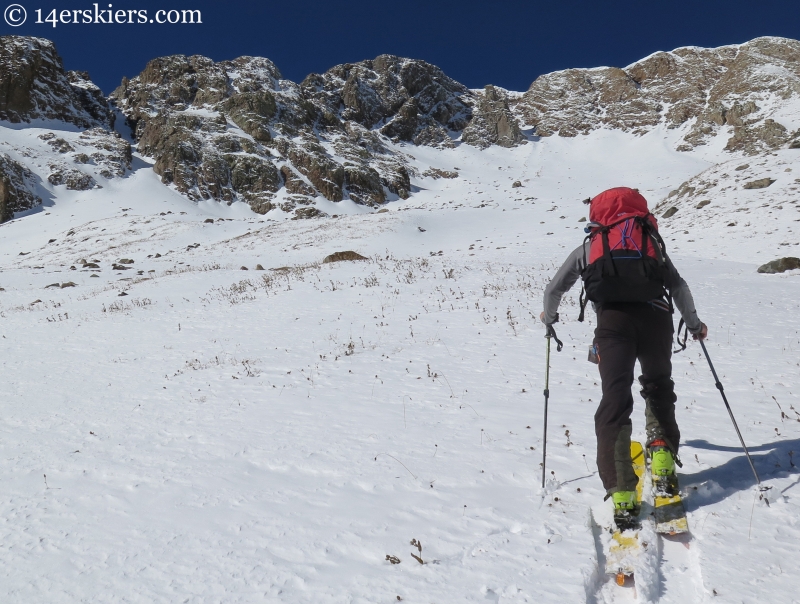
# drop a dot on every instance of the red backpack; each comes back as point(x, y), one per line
point(626, 260)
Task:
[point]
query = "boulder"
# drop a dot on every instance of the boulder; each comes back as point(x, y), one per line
point(304, 213)
point(343, 256)
point(761, 183)
point(780, 265)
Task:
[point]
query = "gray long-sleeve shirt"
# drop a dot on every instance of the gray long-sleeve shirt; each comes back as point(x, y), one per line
point(571, 270)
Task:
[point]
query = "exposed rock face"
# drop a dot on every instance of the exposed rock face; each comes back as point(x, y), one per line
point(104, 148)
point(492, 122)
point(236, 131)
point(33, 84)
point(414, 100)
point(733, 89)
point(210, 125)
point(74, 179)
point(108, 150)
point(577, 101)
point(16, 188)
point(91, 98)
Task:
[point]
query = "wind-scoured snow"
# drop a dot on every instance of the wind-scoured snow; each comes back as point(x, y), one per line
point(222, 435)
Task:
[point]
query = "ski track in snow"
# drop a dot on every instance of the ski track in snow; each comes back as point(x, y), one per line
point(220, 435)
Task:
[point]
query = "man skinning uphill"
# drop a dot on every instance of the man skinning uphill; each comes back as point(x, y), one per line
point(632, 284)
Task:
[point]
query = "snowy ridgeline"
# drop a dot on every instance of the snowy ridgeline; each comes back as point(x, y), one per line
point(178, 429)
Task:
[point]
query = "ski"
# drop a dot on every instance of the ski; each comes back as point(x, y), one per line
point(626, 548)
point(669, 515)
point(668, 511)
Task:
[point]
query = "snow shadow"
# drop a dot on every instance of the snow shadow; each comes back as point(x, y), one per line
point(711, 485)
point(47, 197)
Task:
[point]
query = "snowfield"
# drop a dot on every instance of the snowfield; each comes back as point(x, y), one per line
point(188, 431)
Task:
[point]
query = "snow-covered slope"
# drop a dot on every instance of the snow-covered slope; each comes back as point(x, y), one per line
point(185, 430)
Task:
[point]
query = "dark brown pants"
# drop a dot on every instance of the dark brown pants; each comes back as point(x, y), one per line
point(625, 333)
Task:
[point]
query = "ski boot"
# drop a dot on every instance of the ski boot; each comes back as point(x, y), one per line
point(662, 469)
point(626, 509)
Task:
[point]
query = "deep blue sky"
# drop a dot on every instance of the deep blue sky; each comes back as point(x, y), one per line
point(502, 42)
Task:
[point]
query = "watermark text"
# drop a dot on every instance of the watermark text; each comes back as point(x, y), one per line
point(16, 14)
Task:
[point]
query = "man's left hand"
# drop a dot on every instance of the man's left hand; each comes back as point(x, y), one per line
point(702, 334)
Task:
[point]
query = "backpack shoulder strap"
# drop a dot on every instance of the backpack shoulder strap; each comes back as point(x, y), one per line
point(607, 249)
point(660, 247)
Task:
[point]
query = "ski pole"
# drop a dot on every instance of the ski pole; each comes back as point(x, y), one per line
point(546, 399)
point(735, 426)
point(551, 333)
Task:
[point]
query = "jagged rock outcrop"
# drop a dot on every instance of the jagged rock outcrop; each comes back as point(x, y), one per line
point(236, 130)
point(409, 100)
point(17, 188)
point(734, 90)
point(206, 124)
point(106, 149)
point(577, 101)
point(33, 84)
point(75, 180)
point(492, 122)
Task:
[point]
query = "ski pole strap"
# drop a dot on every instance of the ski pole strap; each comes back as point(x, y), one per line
point(551, 333)
point(681, 344)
